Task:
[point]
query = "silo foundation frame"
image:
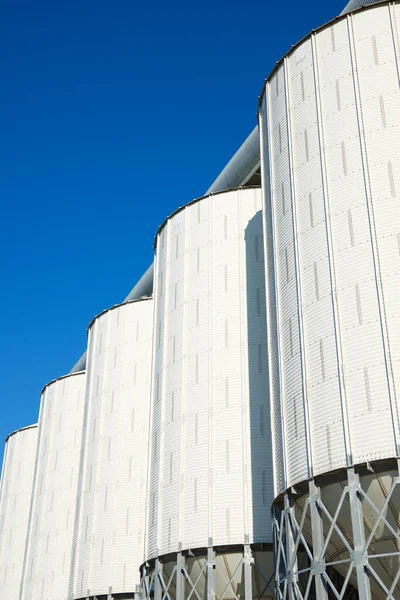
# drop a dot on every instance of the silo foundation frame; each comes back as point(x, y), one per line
point(294, 544)
point(178, 585)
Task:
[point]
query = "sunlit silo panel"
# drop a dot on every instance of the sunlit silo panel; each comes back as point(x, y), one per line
point(330, 130)
point(110, 531)
point(15, 498)
point(51, 524)
point(210, 464)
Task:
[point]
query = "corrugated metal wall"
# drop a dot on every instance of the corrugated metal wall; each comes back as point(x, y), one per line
point(15, 497)
point(110, 534)
point(211, 465)
point(51, 523)
point(332, 180)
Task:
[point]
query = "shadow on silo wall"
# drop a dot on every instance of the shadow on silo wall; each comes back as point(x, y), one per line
point(260, 423)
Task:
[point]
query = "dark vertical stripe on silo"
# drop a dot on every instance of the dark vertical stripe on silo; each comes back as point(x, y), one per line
point(280, 137)
point(264, 487)
point(322, 357)
point(303, 91)
point(132, 420)
point(338, 100)
point(333, 41)
point(344, 158)
point(351, 230)
point(306, 147)
point(291, 338)
point(310, 202)
point(383, 111)
point(127, 522)
point(329, 444)
point(130, 469)
point(262, 424)
point(358, 302)
point(391, 179)
point(375, 50)
point(258, 301)
point(316, 281)
point(367, 389)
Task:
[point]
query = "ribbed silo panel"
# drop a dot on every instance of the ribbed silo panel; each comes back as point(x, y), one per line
point(49, 543)
point(343, 124)
point(205, 465)
point(112, 497)
point(285, 267)
point(15, 497)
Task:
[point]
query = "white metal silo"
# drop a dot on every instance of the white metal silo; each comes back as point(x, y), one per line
point(109, 537)
point(330, 152)
point(209, 530)
point(15, 498)
point(51, 522)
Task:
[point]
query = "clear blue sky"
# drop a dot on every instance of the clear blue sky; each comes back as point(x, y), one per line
point(112, 114)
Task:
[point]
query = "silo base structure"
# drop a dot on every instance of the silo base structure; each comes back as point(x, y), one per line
point(330, 154)
point(210, 488)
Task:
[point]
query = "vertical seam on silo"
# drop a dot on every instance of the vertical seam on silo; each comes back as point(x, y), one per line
point(210, 373)
point(181, 482)
point(373, 237)
point(31, 503)
point(163, 386)
point(147, 470)
point(331, 259)
point(244, 374)
point(270, 179)
point(297, 274)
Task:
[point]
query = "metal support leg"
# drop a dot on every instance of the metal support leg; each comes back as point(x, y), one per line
point(248, 562)
point(210, 574)
point(317, 533)
point(359, 557)
point(158, 592)
point(180, 579)
point(290, 543)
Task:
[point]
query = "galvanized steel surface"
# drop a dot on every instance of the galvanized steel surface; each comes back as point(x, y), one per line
point(210, 461)
point(109, 539)
point(15, 496)
point(330, 120)
point(51, 522)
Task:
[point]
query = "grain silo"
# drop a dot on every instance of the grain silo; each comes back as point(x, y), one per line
point(109, 537)
point(330, 154)
point(51, 522)
point(15, 497)
point(210, 475)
